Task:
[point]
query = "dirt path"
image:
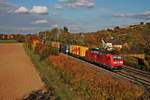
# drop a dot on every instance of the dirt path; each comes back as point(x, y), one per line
point(18, 76)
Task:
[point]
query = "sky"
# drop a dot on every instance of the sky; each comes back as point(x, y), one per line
point(31, 16)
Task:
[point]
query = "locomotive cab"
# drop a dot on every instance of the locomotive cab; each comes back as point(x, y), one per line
point(117, 61)
point(108, 60)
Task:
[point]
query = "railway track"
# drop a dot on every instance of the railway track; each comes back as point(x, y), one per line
point(137, 71)
point(134, 75)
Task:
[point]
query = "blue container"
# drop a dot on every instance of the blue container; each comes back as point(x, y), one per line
point(64, 48)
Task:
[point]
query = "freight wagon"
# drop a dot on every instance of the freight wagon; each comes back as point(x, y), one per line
point(64, 48)
point(74, 50)
point(83, 51)
point(78, 51)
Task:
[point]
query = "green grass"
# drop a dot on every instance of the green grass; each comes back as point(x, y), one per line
point(51, 78)
point(133, 62)
point(8, 41)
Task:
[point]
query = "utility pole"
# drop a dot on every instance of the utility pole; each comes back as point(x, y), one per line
point(57, 36)
point(44, 38)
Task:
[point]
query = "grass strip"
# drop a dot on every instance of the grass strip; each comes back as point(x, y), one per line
point(51, 78)
point(8, 41)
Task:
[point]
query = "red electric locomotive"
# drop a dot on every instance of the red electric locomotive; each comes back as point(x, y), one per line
point(111, 61)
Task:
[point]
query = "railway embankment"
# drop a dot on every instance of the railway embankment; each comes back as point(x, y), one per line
point(72, 79)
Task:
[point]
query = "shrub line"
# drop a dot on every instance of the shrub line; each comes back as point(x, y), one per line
point(50, 77)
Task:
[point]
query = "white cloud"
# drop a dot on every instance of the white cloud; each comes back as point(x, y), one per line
point(6, 8)
point(144, 15)
point(54, 26)
point(40, 21)
point(58, 6)
point(39, 10)
point(75, 4)
point(22, 10)
point(56, 14)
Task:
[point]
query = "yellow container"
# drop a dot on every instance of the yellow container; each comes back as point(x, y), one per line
point(83, 51)
point(78, 50)
point(71, 49)
point(75, 49)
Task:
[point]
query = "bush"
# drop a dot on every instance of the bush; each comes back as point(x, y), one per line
point(89, 84)
point(20, 38)
point(130, 61)
point(47, 51)
point(38, 48)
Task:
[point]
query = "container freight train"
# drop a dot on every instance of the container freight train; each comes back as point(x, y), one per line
point(108, 60)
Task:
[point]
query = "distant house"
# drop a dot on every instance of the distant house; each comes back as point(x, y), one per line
point(1, 35)
point(7, 36)
point(112, 44)
point(107, 45)
point(10, 36)
point(116, 44)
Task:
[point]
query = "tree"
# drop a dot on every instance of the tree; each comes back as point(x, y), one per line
point(147, 45)
point(20, 38)
point(141, 23)
point(117, 27)
point(65, 29)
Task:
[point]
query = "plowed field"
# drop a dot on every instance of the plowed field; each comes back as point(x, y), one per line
point(18, 76)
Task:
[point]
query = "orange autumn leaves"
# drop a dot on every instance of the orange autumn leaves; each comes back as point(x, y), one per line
point(91, 84)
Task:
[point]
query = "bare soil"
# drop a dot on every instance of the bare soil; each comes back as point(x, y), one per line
point(18, 77)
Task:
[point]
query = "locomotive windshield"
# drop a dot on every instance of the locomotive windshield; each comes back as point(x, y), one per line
point(117, 57)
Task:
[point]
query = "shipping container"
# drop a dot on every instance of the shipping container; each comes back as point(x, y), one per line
point(74, 50)
point(82, 51)
point(64, 48)
point(78, 50)
point(55, 45)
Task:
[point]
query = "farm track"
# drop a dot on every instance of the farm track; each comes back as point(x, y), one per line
point(18, 76)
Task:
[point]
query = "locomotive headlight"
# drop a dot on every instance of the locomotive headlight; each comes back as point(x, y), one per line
point(115, 62)
point(121, 62)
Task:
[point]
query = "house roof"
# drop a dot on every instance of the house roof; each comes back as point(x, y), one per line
point(115, 41)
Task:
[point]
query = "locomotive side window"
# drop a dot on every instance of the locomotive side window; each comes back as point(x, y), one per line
point(117, 58)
